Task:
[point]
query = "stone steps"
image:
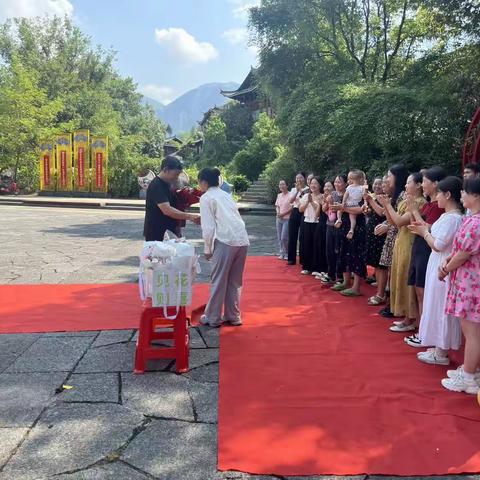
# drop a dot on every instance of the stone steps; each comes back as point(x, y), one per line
point(257, 192)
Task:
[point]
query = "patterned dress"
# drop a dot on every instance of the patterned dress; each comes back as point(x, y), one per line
point(389, 243)
point(374, 245)
point(463, 300)
point(403, 299)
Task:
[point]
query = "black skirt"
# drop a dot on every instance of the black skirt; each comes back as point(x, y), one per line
point(313, 246)
point(374, 243)
point(352, 252)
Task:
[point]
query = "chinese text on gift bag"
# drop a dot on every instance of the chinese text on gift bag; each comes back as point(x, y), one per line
point(171, 287)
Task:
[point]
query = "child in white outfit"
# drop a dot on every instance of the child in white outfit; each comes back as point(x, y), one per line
point(352, 198)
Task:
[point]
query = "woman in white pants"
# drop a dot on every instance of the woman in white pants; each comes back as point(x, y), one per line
point(226, 245)
point(437, 329)
point(283, 208)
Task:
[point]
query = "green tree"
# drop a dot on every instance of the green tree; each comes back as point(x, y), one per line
point(260, 150)
point(26, 117)
point(371, 82)
point(238, 125)
point(216, 150)
point(82, 84)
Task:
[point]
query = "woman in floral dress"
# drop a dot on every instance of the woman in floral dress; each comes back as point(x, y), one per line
point(463, 300)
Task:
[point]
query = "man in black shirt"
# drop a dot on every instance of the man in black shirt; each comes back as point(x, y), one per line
point(160, 212)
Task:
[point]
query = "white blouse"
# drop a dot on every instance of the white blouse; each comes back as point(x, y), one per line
point(310, 214)
point(221, 220)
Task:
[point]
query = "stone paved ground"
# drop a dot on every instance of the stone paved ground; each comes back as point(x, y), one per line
point(110, 424)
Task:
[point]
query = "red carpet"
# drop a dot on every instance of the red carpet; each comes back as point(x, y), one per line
point(314, 383)
point(58, 308)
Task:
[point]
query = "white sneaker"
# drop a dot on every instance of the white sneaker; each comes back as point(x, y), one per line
point(413, 341)
point(281, 257)
point(305, 272)
point(459, 370)
point(402, 327)
point(204, 321)
point(431, 358)
point(316, 274)
point(460, 384)
point(235, 323)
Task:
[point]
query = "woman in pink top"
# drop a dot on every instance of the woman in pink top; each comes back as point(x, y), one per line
point(284, 208)
point(463, 299)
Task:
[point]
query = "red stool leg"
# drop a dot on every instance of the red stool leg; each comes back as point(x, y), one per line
point(143, 341)
point(181, 342)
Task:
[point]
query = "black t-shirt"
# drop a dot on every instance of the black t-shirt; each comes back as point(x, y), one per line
point(156, 222)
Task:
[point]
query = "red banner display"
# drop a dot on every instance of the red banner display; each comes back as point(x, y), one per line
point(63, 168)
point(81, 160)
point(99, 170)
point(64, 162)
point(46, 170)
point(81, 166)
point(99, 158)
point(47, 165)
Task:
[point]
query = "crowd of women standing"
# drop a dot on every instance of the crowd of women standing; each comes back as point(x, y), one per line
point(420, 235)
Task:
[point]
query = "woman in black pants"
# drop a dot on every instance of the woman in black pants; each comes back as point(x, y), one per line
point(296, 217)
point(335, 265)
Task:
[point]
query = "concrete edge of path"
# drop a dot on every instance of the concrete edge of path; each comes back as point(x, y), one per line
point(113, 204)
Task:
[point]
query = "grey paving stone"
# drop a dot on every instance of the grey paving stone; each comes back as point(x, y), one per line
point(86, 333)
point(205, 400)
point(24, 395)
point(196, 340)
point(161, 394)
point(92, 387)
point(118, 357)
point(70, 437)
point(112, 358)
point(51, 354)
point(175, 450)
point(211, 336)
point(10, 438)
point(109, 337)
point(245, 476)
point(200, 357)
point(205, 374)
point(110, 471)
point(13, 345)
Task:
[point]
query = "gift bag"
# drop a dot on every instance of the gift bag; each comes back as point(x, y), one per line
point(171, 286)
point(167, 271)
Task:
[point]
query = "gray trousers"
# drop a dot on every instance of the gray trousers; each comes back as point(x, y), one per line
point(282, 235)
point(228, 264)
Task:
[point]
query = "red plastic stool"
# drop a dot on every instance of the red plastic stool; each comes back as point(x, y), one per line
point(151, 321)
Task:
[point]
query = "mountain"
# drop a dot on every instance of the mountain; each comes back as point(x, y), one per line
point(183, 113)
point(155, 104)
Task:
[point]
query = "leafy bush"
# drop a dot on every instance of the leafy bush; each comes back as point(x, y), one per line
point(240, 183)
point(259, 150)
point(282, 168)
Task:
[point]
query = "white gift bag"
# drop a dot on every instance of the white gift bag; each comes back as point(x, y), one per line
point(167, 271)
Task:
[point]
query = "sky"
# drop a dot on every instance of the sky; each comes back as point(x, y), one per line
point(167, 46)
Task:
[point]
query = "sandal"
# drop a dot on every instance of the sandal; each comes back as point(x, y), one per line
point(376, 300)
point(350, 293)
point(350, 234)
point(339, 287)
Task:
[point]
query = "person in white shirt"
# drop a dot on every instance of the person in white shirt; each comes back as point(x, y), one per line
point(226, 245)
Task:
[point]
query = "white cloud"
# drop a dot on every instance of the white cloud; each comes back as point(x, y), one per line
point(236, 36)
point(161, 93)
point(181, 44)
point(241, 7)
point(34, 8)
point(239, 36)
